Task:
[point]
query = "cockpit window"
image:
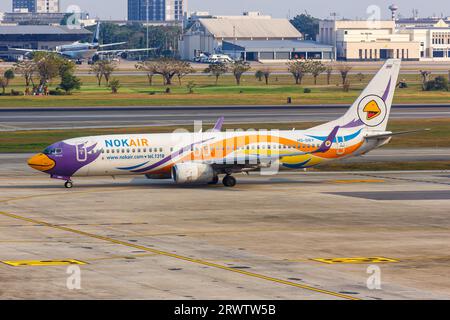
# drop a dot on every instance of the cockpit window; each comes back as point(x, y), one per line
point(52, 151)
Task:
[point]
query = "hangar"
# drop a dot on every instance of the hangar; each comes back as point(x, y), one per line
point(207, 35)
point(40, 37)
point(260, 50)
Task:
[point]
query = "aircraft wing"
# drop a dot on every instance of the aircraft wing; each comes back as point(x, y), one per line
point(384, 135)
point(30, 50)
point(125, 50)
point(111, 44)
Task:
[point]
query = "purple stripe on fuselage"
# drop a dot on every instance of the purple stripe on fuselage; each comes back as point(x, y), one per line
point(167, 159)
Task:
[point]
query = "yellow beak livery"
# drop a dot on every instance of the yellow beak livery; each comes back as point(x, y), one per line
point(41, 162)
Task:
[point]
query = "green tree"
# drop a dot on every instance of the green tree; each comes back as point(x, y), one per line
point(9, 75)
point(103, 69)
point(183, 69)
point(66, 66)
point(344, 69)
point(316, 68)
point(148, 67)
point(27, 69)
point(266, 73)
point(425, 75)
point(238, 68)
point(168, 68)
point(329, 72)
point(69, 82)
point(47, 65)
point(259, 74)
point(298, 69)
point(216, 70)
point(3, 84)
point(307, 25)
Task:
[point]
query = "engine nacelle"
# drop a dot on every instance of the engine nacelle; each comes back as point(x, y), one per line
point(191, 173)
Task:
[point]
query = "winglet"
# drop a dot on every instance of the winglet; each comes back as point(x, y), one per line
point(219, 124)
point(326, 145)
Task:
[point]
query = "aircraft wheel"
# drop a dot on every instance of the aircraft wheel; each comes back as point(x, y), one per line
point(215, 180)
point(68, 184)
point(229, 181)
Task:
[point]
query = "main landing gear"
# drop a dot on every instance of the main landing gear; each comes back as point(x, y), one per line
point(214, 181)
point(68, 184)
point(229, 181)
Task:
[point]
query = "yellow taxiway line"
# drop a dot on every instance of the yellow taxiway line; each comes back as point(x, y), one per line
point(180, 257)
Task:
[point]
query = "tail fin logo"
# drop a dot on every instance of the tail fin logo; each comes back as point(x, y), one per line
point(372, 110)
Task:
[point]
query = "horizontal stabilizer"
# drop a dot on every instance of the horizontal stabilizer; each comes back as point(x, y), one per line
point(383, 135)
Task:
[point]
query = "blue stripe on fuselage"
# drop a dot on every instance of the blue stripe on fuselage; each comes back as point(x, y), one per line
point(346, 138)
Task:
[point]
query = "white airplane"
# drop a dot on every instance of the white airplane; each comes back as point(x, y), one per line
point(88, 51)
point(202, 157)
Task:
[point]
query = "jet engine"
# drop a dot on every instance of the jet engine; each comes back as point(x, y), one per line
point(192, 173)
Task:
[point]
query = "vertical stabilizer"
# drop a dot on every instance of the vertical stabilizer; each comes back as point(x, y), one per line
point(96, 38)
point(373, 107)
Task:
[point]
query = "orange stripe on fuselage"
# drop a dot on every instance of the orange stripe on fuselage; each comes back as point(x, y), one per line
point(209, 151)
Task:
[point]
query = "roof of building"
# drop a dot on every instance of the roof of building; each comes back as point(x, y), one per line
point(33, 30)
point(250, 28)
point(276, 45)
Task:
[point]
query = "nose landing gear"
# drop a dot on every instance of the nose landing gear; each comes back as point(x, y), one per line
point(68, 184)
point(229, 181)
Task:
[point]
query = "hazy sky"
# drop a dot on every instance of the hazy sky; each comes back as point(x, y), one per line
point(117, 9)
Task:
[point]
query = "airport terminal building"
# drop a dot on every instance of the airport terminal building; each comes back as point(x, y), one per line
point(407, 39)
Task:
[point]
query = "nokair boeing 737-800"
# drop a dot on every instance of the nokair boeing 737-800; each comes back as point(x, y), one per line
point(203, 157)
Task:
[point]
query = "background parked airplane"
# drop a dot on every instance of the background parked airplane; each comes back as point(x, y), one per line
point(89, 51)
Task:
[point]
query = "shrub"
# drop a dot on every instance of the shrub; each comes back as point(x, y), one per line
point(16, 93)
point(69, 82)
point(439, 83)
point(307, 90)
point(190, 86)
point(57, 92)
point(114, 84)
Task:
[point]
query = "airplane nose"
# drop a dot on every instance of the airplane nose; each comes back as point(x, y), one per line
point(41, 162)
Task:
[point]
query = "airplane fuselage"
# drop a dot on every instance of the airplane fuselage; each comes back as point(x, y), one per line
point(156, 154)
point(78, 51)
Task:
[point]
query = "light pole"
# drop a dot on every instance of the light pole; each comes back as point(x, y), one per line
point(146, 10)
